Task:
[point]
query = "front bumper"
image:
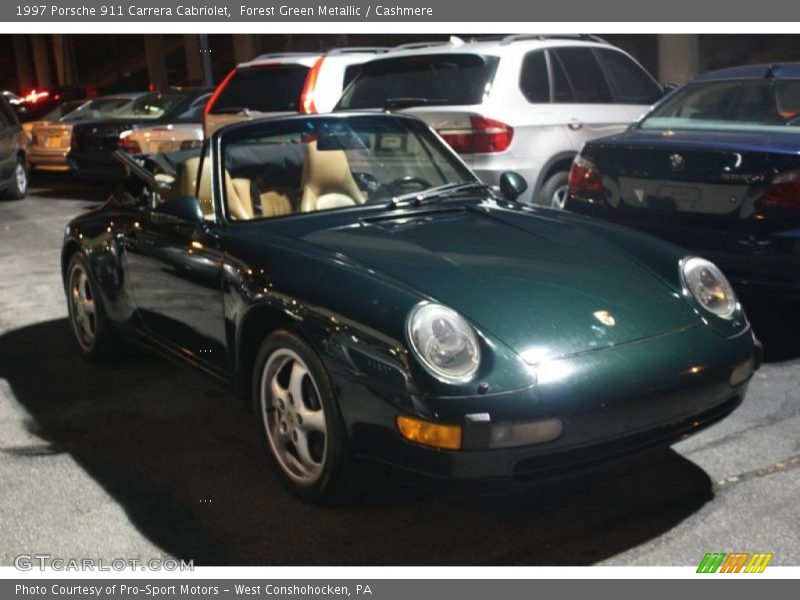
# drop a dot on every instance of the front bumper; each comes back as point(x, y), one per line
point(612, 402)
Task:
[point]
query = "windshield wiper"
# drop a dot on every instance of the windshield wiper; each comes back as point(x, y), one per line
point(407, 102)
point(440, 192)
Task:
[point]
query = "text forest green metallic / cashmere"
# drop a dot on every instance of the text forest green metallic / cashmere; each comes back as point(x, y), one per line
point(377, 302)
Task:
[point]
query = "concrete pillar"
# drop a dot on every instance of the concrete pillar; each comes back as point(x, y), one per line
point(41, 60)
point(22, 57)
point(65, 59)
point(678, 57)
point(245, 47)
point(194, 63)
point(155, 54)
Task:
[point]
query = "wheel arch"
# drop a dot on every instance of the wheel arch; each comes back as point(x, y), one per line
point(560, 162)
point(69, 249)
point(255, 325)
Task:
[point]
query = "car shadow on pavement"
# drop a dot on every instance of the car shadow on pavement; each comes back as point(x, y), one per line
point(185, 460)
point(64, 186)
point(777, 326)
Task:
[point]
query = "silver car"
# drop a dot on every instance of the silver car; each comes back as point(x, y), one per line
point(523, 103)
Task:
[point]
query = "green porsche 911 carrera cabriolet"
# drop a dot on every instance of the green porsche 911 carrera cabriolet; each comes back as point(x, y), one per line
point(376, 302)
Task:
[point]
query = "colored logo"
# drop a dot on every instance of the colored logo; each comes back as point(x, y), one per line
point(735, 562)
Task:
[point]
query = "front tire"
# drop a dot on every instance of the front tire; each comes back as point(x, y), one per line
point(19, 182)
point(554, 191)
point(91, 328)
point(296, 406)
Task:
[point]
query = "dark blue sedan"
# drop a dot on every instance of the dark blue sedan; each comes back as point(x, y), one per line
point(714, 167)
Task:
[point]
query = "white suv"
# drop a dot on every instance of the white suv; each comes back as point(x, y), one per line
point(284, 83)
point(523, 103)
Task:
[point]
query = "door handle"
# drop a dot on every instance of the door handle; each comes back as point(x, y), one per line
point(574, 124)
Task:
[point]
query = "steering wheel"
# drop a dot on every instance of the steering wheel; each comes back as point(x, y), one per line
point(407, 180)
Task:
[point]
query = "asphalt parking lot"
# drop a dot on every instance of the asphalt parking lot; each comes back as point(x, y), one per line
point(144, 459)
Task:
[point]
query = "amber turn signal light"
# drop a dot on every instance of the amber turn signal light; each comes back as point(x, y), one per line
point(429, 434)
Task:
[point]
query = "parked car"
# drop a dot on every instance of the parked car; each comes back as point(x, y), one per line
point(51, 142)
point(285, 83)
point(715, 167)
point(327, 266)
point(524, 102)
point(13, 154)
point(183, 133)
point(59, 112)
point(36, 103)
point(94, 142)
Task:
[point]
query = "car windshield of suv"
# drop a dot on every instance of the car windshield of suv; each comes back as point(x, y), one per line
point(268, 88)
point(324, 163)
point(762, 105)
point(435, 79)
point(99, 108)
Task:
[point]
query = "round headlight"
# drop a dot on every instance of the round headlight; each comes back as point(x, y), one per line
point(445, 343)
point(709, 286)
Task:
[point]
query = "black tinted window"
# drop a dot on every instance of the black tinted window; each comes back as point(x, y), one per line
point(350, 73)
point(417, 80)
point(584, 73)
point(533, 81)
point(264, 89)
point(632, 84)
point(562, 89)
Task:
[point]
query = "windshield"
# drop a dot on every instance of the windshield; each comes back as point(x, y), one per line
point(437, 79)
point(270, 88)
point(150, 106)
point(747, 105)
point(324, 163)
point(97, 109)
point(62, 110)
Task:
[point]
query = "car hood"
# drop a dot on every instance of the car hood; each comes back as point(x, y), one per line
point(538, 282)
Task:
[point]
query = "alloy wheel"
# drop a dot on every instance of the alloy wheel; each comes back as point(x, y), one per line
point(83, 312)
point(559, 198)
point(21, 176)
point(293, 416)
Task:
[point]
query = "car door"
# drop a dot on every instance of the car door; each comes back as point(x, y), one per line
point(8, 146)
point(581, 89)
point(175, 272)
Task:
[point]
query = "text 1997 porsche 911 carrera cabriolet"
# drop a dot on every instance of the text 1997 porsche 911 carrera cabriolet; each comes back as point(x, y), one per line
point(377, 302)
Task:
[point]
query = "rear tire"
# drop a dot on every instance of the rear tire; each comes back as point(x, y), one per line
point(19, 181)
point(91, 328)
point(554, 191)
point(294, 402)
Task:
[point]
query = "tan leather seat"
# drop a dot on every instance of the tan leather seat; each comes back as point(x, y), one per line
point(187, 184)
point(237, 189)
point(326, 181)
point(240, 204)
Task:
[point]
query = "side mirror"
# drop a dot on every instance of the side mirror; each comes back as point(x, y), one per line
point(512, 185)
point(182, 210)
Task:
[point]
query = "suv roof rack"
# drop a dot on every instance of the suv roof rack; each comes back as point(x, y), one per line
point(271, 55)
point(357, 50)
point(522, 37)
point(452, 41)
